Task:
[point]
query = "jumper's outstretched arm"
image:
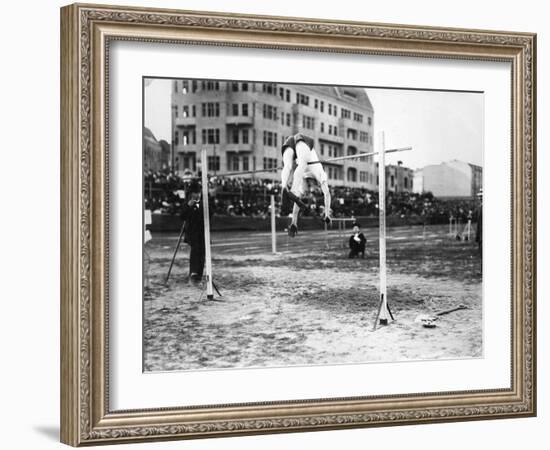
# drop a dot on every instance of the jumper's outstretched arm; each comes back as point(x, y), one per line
point(288, 163)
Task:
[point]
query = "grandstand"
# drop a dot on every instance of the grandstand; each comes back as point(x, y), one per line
point(250, 198)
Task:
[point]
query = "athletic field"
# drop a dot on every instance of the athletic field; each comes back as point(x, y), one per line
point(309, 304)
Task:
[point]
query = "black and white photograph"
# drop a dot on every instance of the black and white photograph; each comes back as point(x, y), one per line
point(299, 224)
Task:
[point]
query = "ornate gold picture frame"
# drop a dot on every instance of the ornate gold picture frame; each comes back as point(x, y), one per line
point(87, 31)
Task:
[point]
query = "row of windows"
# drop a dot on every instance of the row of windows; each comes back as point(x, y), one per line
point(237, 136)
point(308, 122)
point(189, 137)
point(188, 161)
point(269, 112)
point(333, 151)
point(238, 162)
point(366, 177)
point(243, 109)
point(214, 163)
point(285, 119)
point(269, 88)
point(210, 85)
point(270, 139)
point(234, 163)
point(302, 99)
point(319, 104)
point(194, 85)
point(242, 162)
point(270, 163)
point(284, 94)
point(392, 182)
point(211, 136)
point(334, 173)
point(234, 160)
point(187, 111)
point(235, 87)
point(351, 134)
point(346, 114)
point(352, 174)
point(210, 109)
point(242, 136)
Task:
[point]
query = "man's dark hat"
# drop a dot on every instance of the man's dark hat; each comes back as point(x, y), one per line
point(194, 187)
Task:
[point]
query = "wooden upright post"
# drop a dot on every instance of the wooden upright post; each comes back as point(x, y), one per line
point(384, 313)
point(273, 225)
point(206, 215)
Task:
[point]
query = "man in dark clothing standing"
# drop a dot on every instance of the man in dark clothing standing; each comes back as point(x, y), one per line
point(357, 243)
point(193, 215)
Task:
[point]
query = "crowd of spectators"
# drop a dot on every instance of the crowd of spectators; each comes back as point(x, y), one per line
point(248, 197)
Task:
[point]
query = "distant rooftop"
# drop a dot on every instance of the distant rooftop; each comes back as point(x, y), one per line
point(354, 96)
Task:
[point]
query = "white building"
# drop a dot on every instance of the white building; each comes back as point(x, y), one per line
point(449, 179)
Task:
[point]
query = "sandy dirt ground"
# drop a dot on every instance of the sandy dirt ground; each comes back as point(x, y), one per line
point(310, 304)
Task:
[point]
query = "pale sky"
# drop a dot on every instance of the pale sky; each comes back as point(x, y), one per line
point(440, 126)
point(158, 112)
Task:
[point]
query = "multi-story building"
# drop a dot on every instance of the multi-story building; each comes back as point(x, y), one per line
point(449, 179)
point(156, 154)
point(244, 124)
point(398, 178)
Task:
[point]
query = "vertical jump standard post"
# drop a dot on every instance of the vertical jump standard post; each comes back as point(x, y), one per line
point(206, 216)
point(273, 225)
point(384, 312)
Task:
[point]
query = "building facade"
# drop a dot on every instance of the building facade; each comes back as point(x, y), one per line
point(156, 153)
point(398, 178)
point(449, 179)
point(244, 124)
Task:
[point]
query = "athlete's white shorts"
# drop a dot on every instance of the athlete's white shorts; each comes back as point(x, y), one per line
point(303, 170)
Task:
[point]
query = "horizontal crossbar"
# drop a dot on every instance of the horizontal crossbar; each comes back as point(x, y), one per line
point(338, 158)
point(360, 155)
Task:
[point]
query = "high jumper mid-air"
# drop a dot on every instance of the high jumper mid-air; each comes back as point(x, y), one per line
point(299, 155)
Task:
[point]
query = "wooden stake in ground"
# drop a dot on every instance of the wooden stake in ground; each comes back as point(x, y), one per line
point(175, 252)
